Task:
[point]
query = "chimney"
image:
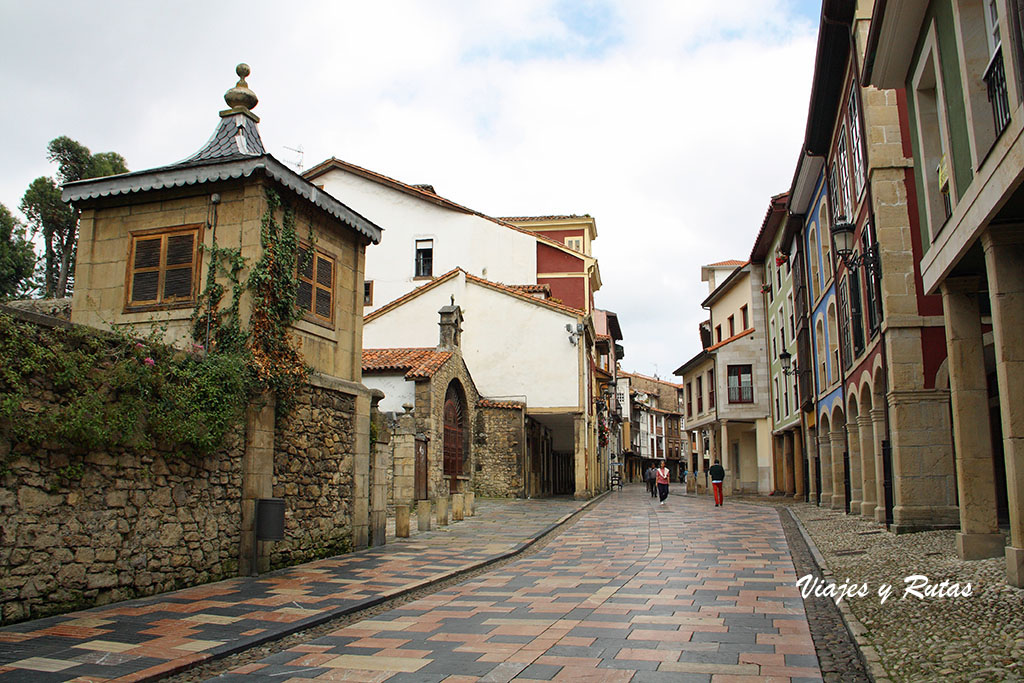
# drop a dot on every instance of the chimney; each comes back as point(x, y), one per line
point(451, 327)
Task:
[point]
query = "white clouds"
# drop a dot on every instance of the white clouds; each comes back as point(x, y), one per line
point(671, 122)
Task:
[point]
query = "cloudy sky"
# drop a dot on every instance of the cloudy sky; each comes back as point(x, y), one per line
point(672, 122)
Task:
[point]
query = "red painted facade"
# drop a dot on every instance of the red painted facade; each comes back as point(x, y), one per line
point(572, 291)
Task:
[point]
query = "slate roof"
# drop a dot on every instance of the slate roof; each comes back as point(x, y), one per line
point(236, 137)
point(416, 363)
point(235, 150)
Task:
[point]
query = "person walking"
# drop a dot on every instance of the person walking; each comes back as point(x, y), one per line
point(649, 480)
point(717, 473)
point(682, 479)
point(661, 476)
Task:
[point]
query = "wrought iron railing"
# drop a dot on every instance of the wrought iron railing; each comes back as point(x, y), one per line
point(995, 80)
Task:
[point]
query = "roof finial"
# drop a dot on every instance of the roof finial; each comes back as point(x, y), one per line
point(240, 98)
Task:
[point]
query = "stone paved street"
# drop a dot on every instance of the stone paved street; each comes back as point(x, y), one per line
point(634, 591)
point(149, 638)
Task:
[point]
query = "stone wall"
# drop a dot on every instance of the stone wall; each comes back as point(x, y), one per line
point(313, 464)
point(79, 530)
point(498, 452)
point(82, 528)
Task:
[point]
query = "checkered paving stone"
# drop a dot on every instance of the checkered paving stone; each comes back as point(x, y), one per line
point(632, 592)
point(144, 639)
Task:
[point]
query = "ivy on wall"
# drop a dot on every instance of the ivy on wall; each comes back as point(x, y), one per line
point(89, 389)
point(111, 390)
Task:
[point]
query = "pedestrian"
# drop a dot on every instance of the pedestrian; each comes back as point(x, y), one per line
point(683, 479)
point(661, 475)
point(649, 480)
point(717, 473)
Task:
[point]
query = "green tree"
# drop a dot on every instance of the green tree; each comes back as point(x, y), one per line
point(17, 258)
point(56, 221)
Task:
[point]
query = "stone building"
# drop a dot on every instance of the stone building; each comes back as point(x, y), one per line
point(465, 443)
point(551, 374)
point(959, 68)
point(144, 261)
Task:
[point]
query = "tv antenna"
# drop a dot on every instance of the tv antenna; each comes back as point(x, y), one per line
point(298, 150)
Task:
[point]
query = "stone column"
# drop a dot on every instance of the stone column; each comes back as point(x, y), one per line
point(402, 521)
point(979, 535)
point(798, 465)
point(813, 494)
point(442, 511)
point(826, 465)
point(838, 441)
point(579, 433)
point(866, 441)
point(877, 437)
point(423, 515)
point(1004, 262)
point(731, 475)
point(257, 480)
point(856, 482)
point(458, 507)
point(361, 474)
point(788, 464)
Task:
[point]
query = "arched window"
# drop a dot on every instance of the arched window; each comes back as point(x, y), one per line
point(456, 443)
point(819, 346)
point(833, 341)
point(812, 254)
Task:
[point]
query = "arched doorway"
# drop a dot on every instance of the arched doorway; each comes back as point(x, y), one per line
point(456, 442)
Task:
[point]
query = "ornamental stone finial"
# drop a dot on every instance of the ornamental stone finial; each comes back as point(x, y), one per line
point(240, 98)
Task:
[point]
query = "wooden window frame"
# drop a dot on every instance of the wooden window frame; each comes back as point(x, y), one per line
point(159, 304)
point(310, 314)
point(367, 292)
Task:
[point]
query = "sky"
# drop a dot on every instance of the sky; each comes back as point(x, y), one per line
point(671, 122)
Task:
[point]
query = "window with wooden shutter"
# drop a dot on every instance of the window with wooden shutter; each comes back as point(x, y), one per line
point(163, 267)
point(316, 285)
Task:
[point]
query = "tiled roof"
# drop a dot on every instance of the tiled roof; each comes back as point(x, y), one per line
point(730, 262)
point(512, 290)
point(489, 403)
point(430, 196)
point(733, 338)
point(416, 363)
point(532, 289)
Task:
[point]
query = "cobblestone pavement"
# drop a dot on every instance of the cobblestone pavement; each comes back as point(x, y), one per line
point(975, 638)
point(152, 637)
point(633, 591)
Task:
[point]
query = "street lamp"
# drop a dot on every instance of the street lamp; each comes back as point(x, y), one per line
point(787, 363)
point(842, 240)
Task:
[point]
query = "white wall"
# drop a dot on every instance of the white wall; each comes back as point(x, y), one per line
point(477, 245)
point(512, 347)
point(397, 391)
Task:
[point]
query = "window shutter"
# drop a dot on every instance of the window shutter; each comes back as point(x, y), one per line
point(145, 285)
point(304, 298)
point(147, 253)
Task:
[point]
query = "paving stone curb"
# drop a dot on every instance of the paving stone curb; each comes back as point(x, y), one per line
point(854, 627)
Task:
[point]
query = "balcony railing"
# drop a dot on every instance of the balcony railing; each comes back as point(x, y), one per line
point(995, 80)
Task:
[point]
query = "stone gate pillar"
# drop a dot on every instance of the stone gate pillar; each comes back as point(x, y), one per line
point(866, 438)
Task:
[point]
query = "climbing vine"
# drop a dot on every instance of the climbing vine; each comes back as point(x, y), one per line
point(274, 282)
point(88, 389)
point(115, 390)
